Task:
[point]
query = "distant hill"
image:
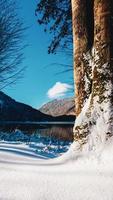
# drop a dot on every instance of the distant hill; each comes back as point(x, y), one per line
point(11, 110)
point(59, 107)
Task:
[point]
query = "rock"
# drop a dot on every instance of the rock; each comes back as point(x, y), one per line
point(59, 107)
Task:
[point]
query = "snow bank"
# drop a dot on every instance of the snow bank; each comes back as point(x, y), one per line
point(74, 176)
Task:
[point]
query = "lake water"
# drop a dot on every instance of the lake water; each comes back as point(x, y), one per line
point(44, 139)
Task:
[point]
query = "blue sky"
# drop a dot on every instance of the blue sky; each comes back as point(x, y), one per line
point(40, 83)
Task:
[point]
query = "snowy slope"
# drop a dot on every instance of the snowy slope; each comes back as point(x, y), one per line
point(77, 175)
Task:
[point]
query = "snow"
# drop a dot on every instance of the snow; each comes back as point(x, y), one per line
point(98, 123)
point(76, 175)
point(39, 144)
point(88, 59)
point(82, 173)
point(96, 116)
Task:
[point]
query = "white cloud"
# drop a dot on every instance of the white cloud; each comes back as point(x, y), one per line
point(58, 90)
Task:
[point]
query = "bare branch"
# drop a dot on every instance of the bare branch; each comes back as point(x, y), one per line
point(11, 44)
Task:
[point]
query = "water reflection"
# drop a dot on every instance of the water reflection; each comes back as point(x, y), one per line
point(62, 132)
point(52, 140)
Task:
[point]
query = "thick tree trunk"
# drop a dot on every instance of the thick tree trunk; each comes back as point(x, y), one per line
point(81, 45)
point(96, 117)
point(102, 42)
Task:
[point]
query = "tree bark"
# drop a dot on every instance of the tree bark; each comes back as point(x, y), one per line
point(80, 46)
point(96, 117)
point(102, 43)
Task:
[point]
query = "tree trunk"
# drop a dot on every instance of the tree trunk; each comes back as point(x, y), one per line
point(96, 118)
point(81, 45)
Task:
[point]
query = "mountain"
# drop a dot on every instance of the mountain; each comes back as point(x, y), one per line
point(11, 110)
point(59, 107)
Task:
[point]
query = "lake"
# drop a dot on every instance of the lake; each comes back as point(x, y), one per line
point(44, 138)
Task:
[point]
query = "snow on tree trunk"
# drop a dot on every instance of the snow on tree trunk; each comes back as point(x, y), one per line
point(95, 122)
point(80, 41)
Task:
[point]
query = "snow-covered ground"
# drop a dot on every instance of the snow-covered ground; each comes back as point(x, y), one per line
point(76, 175)
point(37, 143)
